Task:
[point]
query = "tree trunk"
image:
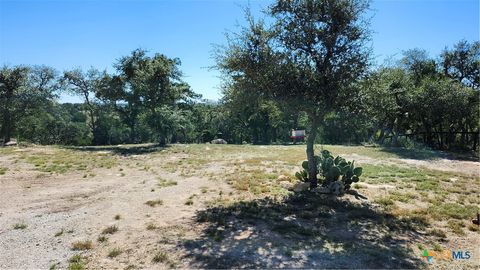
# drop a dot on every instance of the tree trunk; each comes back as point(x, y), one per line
point(312, 166)
point(6, 126)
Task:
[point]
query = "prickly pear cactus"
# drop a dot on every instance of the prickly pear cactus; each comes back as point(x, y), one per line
point(333, 170)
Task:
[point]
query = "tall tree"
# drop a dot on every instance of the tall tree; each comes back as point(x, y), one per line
point(22, 91)
point(310, 57)
point(463, 63)
point(150, 85)
point(86, 85)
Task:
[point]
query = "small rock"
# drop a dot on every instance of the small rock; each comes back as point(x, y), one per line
point(243, 235)
point(286, 184)
point(322, 190)
point(11, 143)
point(336, 188)
point(298, 187)
point(219, 141)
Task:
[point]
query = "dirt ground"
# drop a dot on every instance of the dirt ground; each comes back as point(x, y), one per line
point(58, 207)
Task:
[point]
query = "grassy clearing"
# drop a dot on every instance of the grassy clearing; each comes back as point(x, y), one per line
point(415, 198)
point(402, 198)
point(58, 160)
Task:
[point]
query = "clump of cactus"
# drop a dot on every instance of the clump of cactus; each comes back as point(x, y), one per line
point(332, 169)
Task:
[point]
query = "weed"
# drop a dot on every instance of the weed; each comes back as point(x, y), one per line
point(154, 203)
point(3, 170)
point(456, 226)
point(438, 233)
point(20, 226)
point(166, 183)
point(102, 239)
point(386, 202)
point(151, 227)
point(437, 247)
point(189, 202)
point(402, 197)
point(110, 230)
point(117, 217)
point(474, 228)
point(76, 263)
point(160, 257)
point(82, 245)
point(114, 252)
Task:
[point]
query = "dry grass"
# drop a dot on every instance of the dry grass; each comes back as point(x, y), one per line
point(114, 252)
point(20, 226)
point(82, 245)
point(154, 203)
point(110, 230)
point(160, 257)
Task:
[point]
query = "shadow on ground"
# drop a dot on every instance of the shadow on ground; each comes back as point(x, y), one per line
point(427, 154)
point(421, 154)
point(304, 230)
point(124, 150)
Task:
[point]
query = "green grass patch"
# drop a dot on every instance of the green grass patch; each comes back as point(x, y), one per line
point(76, 262)
point(453, 210)
point(60, 161)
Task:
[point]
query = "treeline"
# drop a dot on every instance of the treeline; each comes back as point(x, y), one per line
point(431, 100)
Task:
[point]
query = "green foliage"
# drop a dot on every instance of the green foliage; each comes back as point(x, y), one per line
point(76, 262)
point(267, 92)
point(23, 92)
point(332, 169)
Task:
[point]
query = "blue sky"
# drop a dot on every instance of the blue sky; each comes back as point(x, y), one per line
point(68, 34)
